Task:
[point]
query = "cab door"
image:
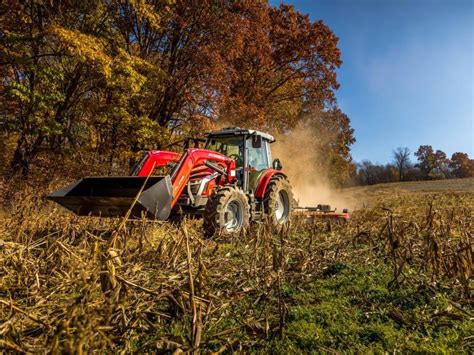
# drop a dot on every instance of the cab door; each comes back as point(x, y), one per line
point(259, 159)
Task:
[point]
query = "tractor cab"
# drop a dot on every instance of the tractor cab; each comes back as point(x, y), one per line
point(249, 148)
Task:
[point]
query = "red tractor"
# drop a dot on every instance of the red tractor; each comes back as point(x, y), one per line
point(231, 182)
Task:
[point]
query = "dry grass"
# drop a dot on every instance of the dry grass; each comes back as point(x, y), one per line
point(65, 287)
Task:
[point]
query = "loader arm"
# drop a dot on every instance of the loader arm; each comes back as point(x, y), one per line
point(154, 159)
point(142, 193)
point(192, 158)
point(196, 157)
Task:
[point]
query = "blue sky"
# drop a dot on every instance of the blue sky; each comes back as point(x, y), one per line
point(407, 77)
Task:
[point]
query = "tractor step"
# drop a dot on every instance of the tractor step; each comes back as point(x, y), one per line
point(107, 196)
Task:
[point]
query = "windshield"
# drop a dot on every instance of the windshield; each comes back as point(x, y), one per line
point(229, 146)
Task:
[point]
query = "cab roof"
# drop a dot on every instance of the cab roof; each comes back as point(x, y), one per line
point(237, 131)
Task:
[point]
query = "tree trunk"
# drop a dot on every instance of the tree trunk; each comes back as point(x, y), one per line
point(19, 162)
point(24, 154)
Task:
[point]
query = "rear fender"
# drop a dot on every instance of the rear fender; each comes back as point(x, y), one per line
point(265, 179)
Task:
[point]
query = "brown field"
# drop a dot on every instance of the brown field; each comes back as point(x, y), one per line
point(397, 277)
point(361, 196)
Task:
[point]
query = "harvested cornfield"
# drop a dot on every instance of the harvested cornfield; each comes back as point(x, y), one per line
point(397, 277)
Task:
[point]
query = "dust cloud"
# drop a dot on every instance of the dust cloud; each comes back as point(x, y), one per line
point(298, 153)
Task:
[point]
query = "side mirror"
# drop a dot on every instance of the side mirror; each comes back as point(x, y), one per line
point(277, 164)
point(256, 142)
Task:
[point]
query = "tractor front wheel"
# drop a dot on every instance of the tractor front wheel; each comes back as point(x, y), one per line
point(278, 201)
point(227, 212)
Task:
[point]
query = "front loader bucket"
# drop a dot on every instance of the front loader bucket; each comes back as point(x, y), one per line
point(114, 196)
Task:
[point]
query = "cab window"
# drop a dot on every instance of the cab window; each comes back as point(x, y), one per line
point(229, 146)
point(258, 157)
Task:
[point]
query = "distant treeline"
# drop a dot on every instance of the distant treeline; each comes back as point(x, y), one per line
point(429, 165)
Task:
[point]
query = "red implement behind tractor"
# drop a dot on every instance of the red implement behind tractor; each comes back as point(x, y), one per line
point(322, 212)
point(231, 182)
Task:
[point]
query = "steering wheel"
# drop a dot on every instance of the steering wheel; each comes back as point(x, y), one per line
point(237, 158)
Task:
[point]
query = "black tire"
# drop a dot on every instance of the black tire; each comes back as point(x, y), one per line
point(227, 212)
point(278, 201)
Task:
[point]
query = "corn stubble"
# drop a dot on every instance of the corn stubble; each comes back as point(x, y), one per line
point(83, 284)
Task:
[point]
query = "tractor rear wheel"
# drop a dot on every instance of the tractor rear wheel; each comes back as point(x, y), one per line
point(278, 201)
point(227, 212)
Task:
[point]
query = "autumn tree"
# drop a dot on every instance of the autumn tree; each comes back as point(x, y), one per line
point(369, 173)
point(432, 163)
point(244, 62)
point(401, 160)
point(461, 165)
point(335, 136)
point(124, 76)
point(30, 88)
point(65, 73)
point(189, 47)
point(287, 69)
